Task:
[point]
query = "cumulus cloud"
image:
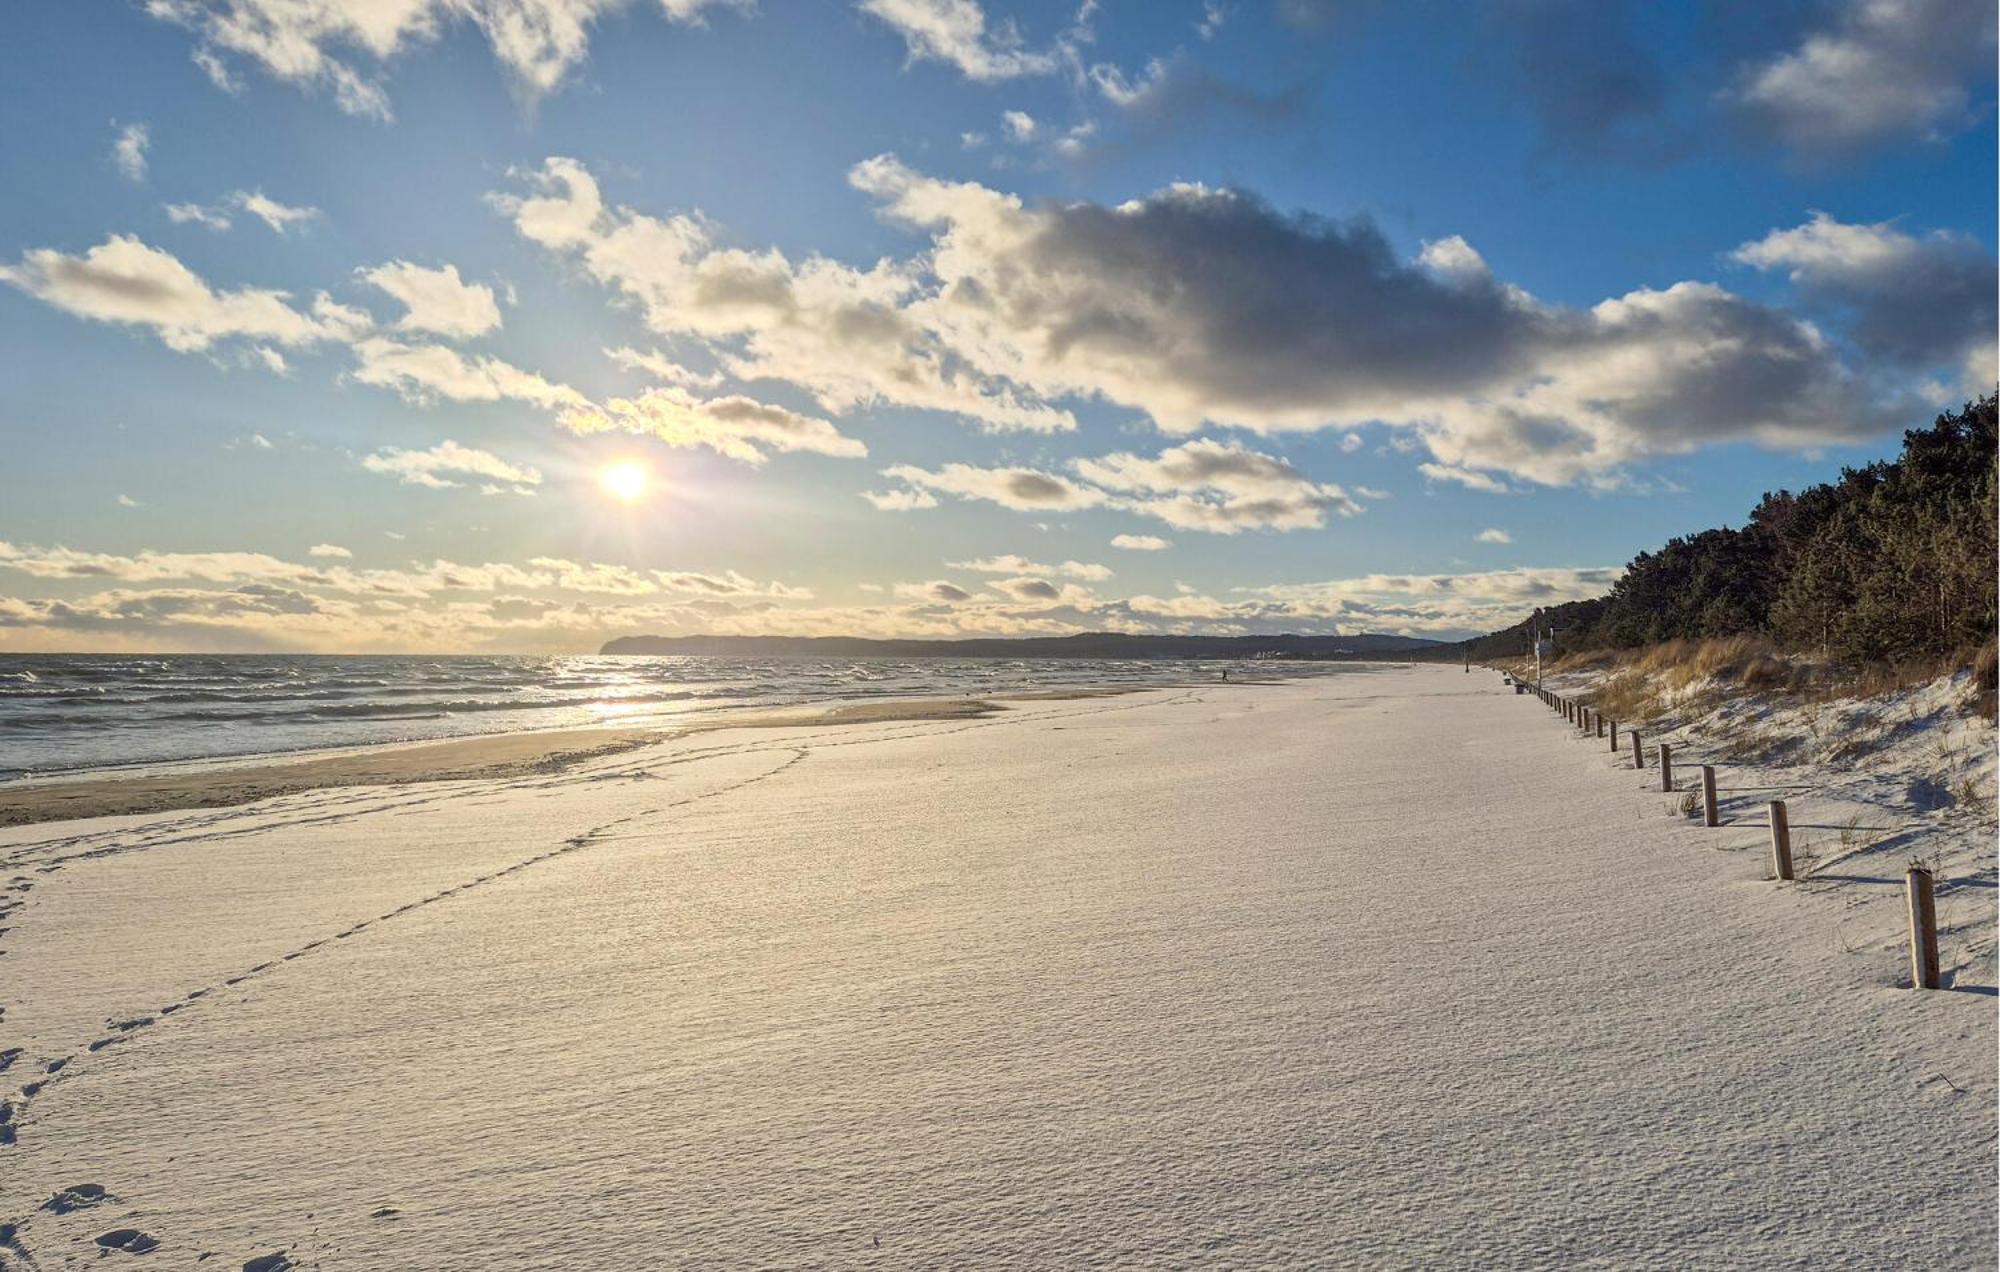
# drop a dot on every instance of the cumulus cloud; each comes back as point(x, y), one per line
point(1020, 125)
point(661, 367)
point(1022, 489)
point(332, 550)
point(122, 280)
point(1219, 487)
point(340, 46)
point(428, 372)
point(736, 426)
point(128, 152)
point(957, 33)
point(1201, 306)
point(438, 466)
point(939, 590)
point(168, 600)
point(1141, 542)
point(1494, 534)
point(436, 300)
point(1918, 300)
point(1882, 70)
point(842, 334)
point(1440, 605)
point(1206, 305)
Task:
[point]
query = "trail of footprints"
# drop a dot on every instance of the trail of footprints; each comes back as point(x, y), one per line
point(58, 1070)
point(216, 825)
point(119, 1031)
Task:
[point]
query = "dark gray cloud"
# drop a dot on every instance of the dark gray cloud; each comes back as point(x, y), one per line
point(1919, 300)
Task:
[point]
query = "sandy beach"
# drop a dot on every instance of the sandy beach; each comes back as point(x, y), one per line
point(488, 757)
point(1372, 969)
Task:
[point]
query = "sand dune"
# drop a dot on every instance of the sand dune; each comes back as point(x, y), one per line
point(1374, 969)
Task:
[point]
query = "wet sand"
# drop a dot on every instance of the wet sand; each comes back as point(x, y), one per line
point(495, 756)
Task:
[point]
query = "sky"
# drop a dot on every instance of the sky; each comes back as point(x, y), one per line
point(517, 325)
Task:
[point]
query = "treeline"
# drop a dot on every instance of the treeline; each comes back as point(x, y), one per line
point(1892, 562)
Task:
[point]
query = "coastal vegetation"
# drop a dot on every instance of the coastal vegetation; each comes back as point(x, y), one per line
point(1891, 565)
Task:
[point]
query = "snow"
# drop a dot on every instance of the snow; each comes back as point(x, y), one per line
point(1385, 968)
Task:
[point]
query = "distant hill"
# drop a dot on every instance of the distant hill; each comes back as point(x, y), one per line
point(1086, 645)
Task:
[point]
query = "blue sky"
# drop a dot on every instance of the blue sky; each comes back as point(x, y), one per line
point(931, 317)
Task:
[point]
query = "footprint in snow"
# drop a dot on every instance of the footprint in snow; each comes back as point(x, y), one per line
point(76, 1197)
point(130, 1240)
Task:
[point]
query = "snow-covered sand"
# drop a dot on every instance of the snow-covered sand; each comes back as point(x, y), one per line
point(1382, 968)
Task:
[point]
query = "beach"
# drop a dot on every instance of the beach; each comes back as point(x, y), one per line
point(1378, 969)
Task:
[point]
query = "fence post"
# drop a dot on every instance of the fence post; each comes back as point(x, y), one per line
point(1923, 930)
point(1708, 817)
point(1781, 840)
point(1614, 737)
point(1666, 767)
point(1638, 751)
point(1597, 717)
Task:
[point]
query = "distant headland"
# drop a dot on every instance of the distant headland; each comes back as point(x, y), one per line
point(1083, 645)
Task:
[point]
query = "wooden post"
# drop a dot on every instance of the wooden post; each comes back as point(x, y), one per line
point(1598, 717)
point(1666, 767)
point(1781, 840)
point(1614, 737)
point(1638, 752)
point(1708, 817)
point(1923, 930)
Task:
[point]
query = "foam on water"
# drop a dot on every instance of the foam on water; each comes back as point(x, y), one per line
point(61, 712)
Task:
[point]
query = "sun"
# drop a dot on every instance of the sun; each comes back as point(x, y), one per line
point(625, 480)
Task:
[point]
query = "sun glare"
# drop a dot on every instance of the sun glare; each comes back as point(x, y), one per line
point(625, 480)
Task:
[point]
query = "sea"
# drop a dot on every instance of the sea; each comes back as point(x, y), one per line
point(65, 712)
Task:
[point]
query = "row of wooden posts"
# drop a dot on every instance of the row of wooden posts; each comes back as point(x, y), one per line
point(1918, 883)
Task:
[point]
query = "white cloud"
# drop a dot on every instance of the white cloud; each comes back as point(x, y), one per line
point(280, 217)
point(844, 335)
point(122, 280)
point(208, 218)
point(938, 590)
point(900, 500)
point(1920, 301)
point(427, 372)
point(1022, 489)
point(436, 300)
point(1466, 477)
point(1203, 307)
point(328, 550)
point(1883, 70)
point(324, 44)
point(127, 501)
point(1494, 535)
point(1011, 563)
point(1219, 487)
point(260, 441)
point(956, 33)
point(1141, 542)
point(1020, 125)
point(663, 368)
point(128, 152)
point(437, 466)
point(736, 426)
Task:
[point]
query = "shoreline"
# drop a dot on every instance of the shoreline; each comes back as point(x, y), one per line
point(227, 782)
